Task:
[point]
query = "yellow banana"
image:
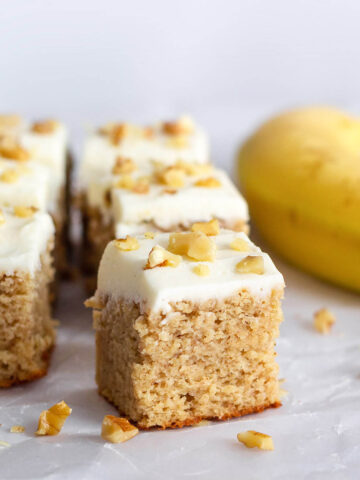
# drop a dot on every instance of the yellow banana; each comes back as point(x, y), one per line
point(300, 173)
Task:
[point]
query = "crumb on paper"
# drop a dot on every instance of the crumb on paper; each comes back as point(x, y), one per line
point(117, 429)
point(52, 420)
point(17, 429)
point(324, 320)
point(4, 444)
point(252, 439)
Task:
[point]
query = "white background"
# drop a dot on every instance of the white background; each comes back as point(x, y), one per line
point(231, 64)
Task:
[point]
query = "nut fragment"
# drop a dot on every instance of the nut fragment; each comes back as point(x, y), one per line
point(209, 182)
point(251, 264)
point(24, 212)
point(149, 235)
point(118, 132)
point(9, 176)
point(183, 126)
point(10, 149)
point(193, 169)
point(125, 181)
point(17, 429)
point(117, 430)
point(240, 245)
point(141, 185)
point(201, 270)
point(194, 244)
point(159, 257)
point(45, 126)
point(127, 244)
point(52, 420)
point(209, 228)
point(94, 302)
point(253, 439)
point(171, 176)
point(323, 321)
point(123, 165)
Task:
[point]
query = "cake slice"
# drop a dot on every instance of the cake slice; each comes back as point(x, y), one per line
point(27, 331)
point(186, 326)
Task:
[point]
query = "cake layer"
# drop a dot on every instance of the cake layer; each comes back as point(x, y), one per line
point(124, 274)
point(24, 236)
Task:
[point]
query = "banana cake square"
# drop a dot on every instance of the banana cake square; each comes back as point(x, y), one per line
point(186, 325)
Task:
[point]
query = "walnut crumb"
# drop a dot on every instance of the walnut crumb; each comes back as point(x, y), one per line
point(24, 212)
point(202, 270)
point(17, 429)
point(126, 181)
point(193, 169)
point(253, 439)
point(323, 321)
point(52, 420)
point(183, 126)
point(45, 126)
point(195, 245)
point(209, 228)
point(171, 176)
point(117, 430)
point(123, 165)
point(159, 257)
point(240, 245)
point(251, 264)
point(94, 302)
point(11, 150)
point(209, 182)
point(142, 185)
point(127, 244)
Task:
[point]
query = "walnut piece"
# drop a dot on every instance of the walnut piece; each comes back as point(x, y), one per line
point(159, 257)
point(94, 302)
point(117, 430)
point(17, 429)
point(195, 245)
point(323, 321)
point(52, 420)
point(253, 439)
point(127, 244)
point(251, 264)
point(209, 228)
point(194, 169)
point(118, 132)
point(123, 165)
point(142, 185)
point(209, 182)
point(171, 176)
point(201, 270)
point(183, 126)
point(45, 126)
point(10, 149)
point(10, 176)
point(125, 181)
point(24, 212)
point(149, 235)
point(240, 245)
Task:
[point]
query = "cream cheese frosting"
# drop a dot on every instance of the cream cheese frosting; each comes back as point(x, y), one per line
point(122, 274)
point(22, 241)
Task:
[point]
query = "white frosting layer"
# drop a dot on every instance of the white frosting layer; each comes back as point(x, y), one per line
point(31, 187)
point(122, 274)
point(189, 204)
point(99, 153)
point(22, 241)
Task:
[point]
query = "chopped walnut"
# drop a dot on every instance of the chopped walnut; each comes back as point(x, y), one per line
point(201, 270)
point(149, 235)
point(10, 149)
point(194, 244)
point(17, 429)
point(45, 127)
point(159, 257)
point(142, 185)
point(125, 181)
point(240, 245)
point(183, 126)
point(10, 176)
point(123, 165)
point(24, 212)
point(251, 264)
point(52, 420)
point(209, 182)
point(171, 176)
point(193, 169)
point(323, 321)
point(127, 244)
point(169, 191)
point(117, 430)
point(209, 228)
point(253, 439)
point(118, 132)
point(148, 132)
point(94, 302)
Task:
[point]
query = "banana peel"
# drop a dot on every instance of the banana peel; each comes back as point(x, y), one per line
point(300, 173)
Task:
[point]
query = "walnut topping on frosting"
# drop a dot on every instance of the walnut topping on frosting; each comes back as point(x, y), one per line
point(45, 127)
point(116, 132)
point(195, 245)
point(209, 182)
point(209, 228)
point(24, 212)
point(240, 245)
point(127, 244)
point(183, 126)
point(159, 257)
point(52, 420)
point(323, 320)
point(125, 181)
point(142, 185)
point(171, 176)
point(10, 149)
point(10, 176)
point(251, 264)
point(123, 165)
point(192, 169)
point(117, 430)
point(201, 270)
point(253, 439)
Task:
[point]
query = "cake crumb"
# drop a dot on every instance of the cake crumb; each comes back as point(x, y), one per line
point(17, 429)
point(117, 430)
point(323, 321)
point(252, 439)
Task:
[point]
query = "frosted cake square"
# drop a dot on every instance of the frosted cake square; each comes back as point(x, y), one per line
point(27, 331)
point(186, 325)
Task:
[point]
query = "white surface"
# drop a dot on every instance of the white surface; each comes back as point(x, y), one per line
point(122, 274)
point(316, 432)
